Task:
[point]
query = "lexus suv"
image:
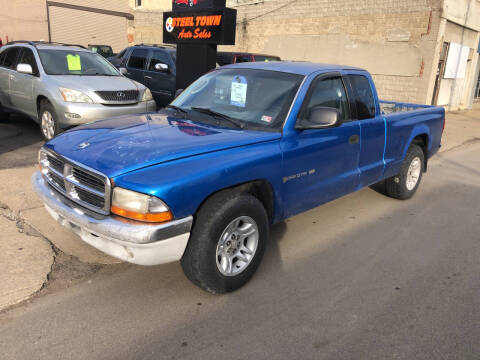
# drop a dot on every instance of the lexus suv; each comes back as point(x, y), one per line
point(60, 86)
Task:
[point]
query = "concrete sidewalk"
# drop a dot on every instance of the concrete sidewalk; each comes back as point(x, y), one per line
point(461, 127)
point(27, 273)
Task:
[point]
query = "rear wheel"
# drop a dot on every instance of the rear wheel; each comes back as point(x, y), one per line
point(227, 242)
point(403, 185)
point(48, 120)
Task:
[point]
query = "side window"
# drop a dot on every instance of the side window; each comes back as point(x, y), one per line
point(265, 58)
point(10, 60)
point(27, 57)
point(242, 59)
point(138, 59)
point(364, 96)
point(158, 57)
point(331, 93)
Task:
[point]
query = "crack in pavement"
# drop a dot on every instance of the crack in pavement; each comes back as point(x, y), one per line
point(64, 269)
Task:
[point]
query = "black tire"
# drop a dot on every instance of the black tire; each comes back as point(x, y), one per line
point(4, 116)
point(396, 186)
point(199, 262)
point(46, 106)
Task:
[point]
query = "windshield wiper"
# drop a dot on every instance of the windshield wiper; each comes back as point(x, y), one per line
point(178, 108)
point(220, 115)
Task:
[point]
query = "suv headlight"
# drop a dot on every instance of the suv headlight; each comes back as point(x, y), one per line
point(141, 207)
point(147, 95)
point(75, 96)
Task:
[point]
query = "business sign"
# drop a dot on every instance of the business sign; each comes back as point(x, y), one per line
point(179, 5)
point(208, 26)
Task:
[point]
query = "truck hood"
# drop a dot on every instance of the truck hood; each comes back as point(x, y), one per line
point(127, 143)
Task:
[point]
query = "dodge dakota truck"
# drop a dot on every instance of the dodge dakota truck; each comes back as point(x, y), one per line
point(242, 148)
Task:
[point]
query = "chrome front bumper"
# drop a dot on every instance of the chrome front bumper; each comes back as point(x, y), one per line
point(138, 243)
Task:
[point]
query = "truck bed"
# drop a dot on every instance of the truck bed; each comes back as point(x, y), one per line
point(405, 121)
point(389, 107)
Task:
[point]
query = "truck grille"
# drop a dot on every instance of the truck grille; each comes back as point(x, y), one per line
point(119, 96)
point(83, 186)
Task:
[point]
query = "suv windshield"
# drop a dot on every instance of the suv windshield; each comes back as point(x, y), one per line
point(104, 50)
point(255, 98)
point(71, 62)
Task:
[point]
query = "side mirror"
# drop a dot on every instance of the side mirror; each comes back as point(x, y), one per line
point(25, 69)
point(161, 67)
point(178, 92)
point(320, 117)
point(123, 71)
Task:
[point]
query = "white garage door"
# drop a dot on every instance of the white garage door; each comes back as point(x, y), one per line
point(82, 28)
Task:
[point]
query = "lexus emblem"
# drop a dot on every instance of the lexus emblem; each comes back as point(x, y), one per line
point(83, 145)
point(120, 94)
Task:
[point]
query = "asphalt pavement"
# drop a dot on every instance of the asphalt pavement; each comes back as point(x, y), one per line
point(363, 277)
point(20, 140)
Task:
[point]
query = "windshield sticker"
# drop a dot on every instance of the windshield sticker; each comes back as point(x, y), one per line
point(238, 94)
point(74, 63)
point(267, 119)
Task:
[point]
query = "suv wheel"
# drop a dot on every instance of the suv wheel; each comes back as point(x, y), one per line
point(48, 120)
point(227, 242)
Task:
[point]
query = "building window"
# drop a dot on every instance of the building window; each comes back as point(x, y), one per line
point(138, 3)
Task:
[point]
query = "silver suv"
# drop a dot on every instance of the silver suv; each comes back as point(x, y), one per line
point(60, 86)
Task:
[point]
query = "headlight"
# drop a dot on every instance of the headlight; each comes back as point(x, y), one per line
point(141, 207)
point(43, 161)
point(147, 95)
point(75, 96)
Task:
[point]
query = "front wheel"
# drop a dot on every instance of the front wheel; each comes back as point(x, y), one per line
point(227, 242)
point(403, 185)
point(48, 120)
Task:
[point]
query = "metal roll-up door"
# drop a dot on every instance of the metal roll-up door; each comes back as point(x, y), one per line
point(73, 26)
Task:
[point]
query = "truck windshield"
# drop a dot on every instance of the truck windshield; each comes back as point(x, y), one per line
point(255, 98)
point(71, 62)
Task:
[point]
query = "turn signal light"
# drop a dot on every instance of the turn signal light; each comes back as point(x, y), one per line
point(137, 206)
point(149, 217)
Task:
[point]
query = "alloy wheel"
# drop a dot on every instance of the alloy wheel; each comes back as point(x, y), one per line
point(237, 246)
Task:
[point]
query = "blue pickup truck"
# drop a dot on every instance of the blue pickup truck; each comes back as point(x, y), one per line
point(244, 147)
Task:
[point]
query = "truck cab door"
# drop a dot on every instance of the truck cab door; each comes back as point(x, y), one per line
point(136, 64)
point(372, 127)
point(161, 82)
point(321, 164)
point(22, 85)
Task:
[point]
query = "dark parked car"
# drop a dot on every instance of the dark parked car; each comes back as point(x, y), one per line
point(105, 50)
point(152, 65)
point(226, 58)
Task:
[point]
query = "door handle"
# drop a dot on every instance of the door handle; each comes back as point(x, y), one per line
point(148, 77)
point(354, 139)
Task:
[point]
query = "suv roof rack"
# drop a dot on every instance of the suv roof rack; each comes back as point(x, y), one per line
point(35, 43)
point(21, 42)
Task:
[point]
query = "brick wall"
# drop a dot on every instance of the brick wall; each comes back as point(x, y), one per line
point(395, 40)
point(23, 20)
